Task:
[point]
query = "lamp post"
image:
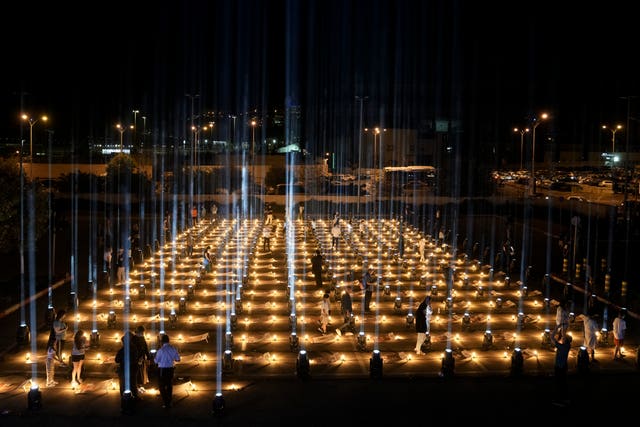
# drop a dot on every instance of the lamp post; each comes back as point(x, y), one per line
point(522, 132)
point(144, 129)
point(536, 123)
point(613, 130)
point(122, 129)
point(135, 125)
point(32, 122)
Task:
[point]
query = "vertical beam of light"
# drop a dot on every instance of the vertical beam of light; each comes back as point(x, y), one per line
point(31, 241)
point(51, 227)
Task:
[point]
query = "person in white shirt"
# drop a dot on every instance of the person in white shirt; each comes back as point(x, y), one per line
point(165, 358)
point(619, 328)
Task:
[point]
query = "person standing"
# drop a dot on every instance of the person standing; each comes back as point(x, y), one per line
point(77, 356)
point(367, 285)
point(60, 330)
point(142, 349)
point(316, 267)
point(421, 326)
point(590, 335)
point(562, 343)
point(206, 259)
point(50, 365)
point(335, 234)
point(325, 308)
point(266, 238)
point(562, 317)
point(120, 265)
point(428, 312)
point(165, 358)
point(421, 247)
point(619, 328)
point(214, 211)
point(347, 310)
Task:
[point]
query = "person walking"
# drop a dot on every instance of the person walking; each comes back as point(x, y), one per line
point(421, 326)
point(266, 238)
point(142, 349)
point(166, 356)
point(619, 328)
point(421, 247)
point(316, 267)
point(347, 311)
point(562, 343)
point(77, 356)
point(60, 331)
point(325, 309)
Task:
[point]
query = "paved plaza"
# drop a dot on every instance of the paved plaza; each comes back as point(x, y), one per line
point(248, 329)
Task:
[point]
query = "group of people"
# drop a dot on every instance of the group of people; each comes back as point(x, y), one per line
point(133, 359)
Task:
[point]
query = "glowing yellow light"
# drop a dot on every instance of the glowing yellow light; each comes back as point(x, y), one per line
point(28, 356)
point(342, 357)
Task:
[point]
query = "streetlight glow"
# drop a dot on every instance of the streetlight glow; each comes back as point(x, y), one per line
point(613, 130)
point(536, 123)
point(522, 132)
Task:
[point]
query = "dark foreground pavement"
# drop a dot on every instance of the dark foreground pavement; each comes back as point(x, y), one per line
point(488, 399)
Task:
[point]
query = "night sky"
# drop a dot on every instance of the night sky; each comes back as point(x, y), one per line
point(490, 65)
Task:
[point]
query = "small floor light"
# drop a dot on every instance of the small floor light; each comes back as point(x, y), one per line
point(191, 292)
point(23, 335)
point(362, 341)
point(517, 362)
point(94, 339)
point(73, 301)
point(448, 363)
point(241, 290)
point(50, 315)
point(491, 274)
point(547, 303)
point(375, 365)
point(142, 291)
point(426, 345)
point(302, 365)
point(387, 290)
point(434, 290)
point(525, 291)
point(507, 281)
point(239, 305)
point(90, 287)
point(182, 306)
point(111, 319)
point(583, 360)
point(520, 321)
point(127, 403)
point(410, 319)
point(291, 304)
point(294, 342)
point(292, 322)
point(234, 321)
point(466, 321)
point(397, 304)
point(218, 404)
point(487, 341)
point(604, 336)
point(546, 339)
point(228, 340)
point(173, 318)
point(499, 302)
point(227, 361)
point(34, 398)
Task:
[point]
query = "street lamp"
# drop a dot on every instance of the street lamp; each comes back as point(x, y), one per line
point(376, 131)
point(536, 123)
point(135, 125)
point(522, 132)
point(613, 130)
point(32, 122)
point(122, 129)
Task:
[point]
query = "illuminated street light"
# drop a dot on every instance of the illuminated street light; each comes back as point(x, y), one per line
point(522, 132)
point(613, 130)
point(376, 131)
point(32, 122)
point(536, 123)
point(135, 125)
point(122, 129)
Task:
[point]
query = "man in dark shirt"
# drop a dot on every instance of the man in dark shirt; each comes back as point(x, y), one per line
point(316, 267)
point(347, 311)
point(367, 285)
point(128, 367)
